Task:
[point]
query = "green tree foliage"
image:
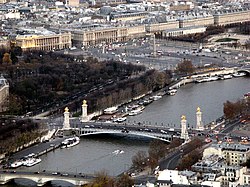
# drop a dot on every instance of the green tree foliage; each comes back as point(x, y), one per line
point(185, 66)
point(124, 181)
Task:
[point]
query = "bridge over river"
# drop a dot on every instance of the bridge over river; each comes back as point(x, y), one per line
point(44, 177)
point(156, 132)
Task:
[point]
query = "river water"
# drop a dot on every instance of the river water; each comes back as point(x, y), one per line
point(96, 153)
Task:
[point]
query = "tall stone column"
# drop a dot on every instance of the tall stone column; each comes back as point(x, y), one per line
point(84, 117)
point(199, 125)
point(184, 132)
point(66, 124)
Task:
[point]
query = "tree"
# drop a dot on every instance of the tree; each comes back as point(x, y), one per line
point(160, 79)
point(17, 51)
point(6, 58)
point(157, 149)
point(190, 159)
point(185, 66)
point(124, 181)
point(175, 143)
point(102, 180)
point(139, 161)
point(231, 109)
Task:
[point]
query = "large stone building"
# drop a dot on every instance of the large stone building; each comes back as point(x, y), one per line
point(233, 154)
point(44, 42)
point(231, 16)
point(105, 35)
point(183, 31)
point(128, 16)
point(4, 94)
point(196, 21)
point(159, 27)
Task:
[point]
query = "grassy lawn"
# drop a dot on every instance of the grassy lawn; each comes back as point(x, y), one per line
point(226, 40)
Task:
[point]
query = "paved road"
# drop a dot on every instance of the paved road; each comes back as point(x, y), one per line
point(171, 161)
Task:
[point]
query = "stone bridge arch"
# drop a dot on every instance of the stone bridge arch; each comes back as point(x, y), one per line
point(147, 135)
point(247, 71)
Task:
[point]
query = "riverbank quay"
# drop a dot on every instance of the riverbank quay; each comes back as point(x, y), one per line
point(157, 95)
point(193, 78)
point(37, 149)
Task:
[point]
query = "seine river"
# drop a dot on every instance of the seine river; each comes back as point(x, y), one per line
point(96, 153)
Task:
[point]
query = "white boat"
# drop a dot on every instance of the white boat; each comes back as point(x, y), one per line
point(116, 152)
point(172, 92)
point(228, 76)
point(111, 110)
point(156, 97)
point(31, 162)
point(215, 78)
point(70, 142)
point(239, 74)
point(147, 101)
point(16, 164)
point(119, 120)
point(199, 80)
point(136, 111)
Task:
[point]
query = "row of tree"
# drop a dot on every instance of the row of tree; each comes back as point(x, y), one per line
point(234, 109)
point(103, 180)
point(190, 154)
point(14, 134)
point(157, 150)
point(42, 79)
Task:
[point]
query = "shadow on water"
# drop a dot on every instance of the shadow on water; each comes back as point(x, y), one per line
point(119, 139)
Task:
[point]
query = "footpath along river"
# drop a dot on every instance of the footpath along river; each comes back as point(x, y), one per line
point(96, 152)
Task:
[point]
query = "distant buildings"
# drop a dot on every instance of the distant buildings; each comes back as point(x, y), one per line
point(233, 154)
point(102, 35)
point(183, 31)
point(231, 16)
point(219, 167)
point(117, 23)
